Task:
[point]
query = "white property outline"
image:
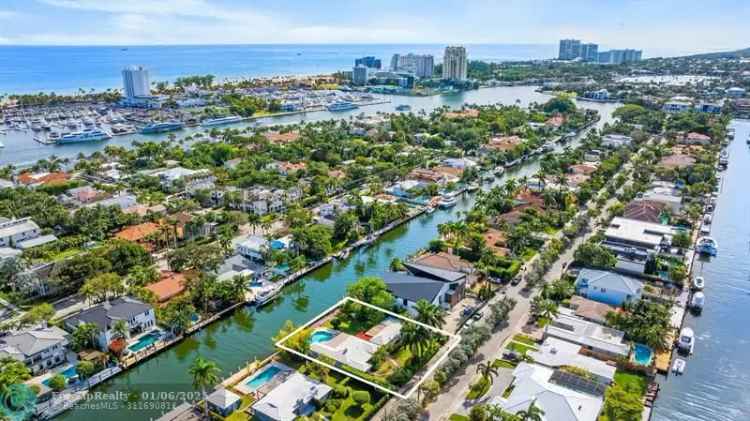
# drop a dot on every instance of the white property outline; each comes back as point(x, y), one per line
point(452, 344)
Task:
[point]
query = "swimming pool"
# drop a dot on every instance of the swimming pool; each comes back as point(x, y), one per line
point(643, 355)
point(263, 377)
point(321, 336)
point(68, 373)
point(145, 341)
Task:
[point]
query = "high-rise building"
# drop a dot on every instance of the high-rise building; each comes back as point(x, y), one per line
point(135, 82)
point(619, 56)
point(589, 52)
point(570, 49)
point(421, 66)
point(360, 75)
point(455, 63)
point(369, 61)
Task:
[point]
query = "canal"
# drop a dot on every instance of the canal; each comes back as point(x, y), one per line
point(247, 333)
point(717, 377)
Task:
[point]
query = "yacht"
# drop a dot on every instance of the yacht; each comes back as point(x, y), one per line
point(698, 283)
point(698, 301)
point(161, 127)
point(267, 293)
point(499, 171)
point(707, 246)
point(447, 201)
point(221, 120)
point(84, 136)
point(686, 341)
point(342, 106)
point(679, 366)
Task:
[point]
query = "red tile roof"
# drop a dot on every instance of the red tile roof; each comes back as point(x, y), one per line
point(137, 233)
point(171, 285)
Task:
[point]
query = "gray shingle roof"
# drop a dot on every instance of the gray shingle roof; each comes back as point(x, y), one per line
point(103, 315)
point(435, 273)
point(412, 288)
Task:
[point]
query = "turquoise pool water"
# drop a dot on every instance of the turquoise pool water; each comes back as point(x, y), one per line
point(145, 341)
point(643, 355)
point(68, 373)
point(321, 336)
point(263, 377)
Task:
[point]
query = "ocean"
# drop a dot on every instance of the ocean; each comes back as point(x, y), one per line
point(29, 69)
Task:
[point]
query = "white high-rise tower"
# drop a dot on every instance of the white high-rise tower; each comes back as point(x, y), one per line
point(454, 63)
point(135, 82)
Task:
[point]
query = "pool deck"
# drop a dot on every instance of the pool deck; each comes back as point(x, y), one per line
point(242, 387)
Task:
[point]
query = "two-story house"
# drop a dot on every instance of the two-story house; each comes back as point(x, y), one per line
point(139, 317)
point(40, 349)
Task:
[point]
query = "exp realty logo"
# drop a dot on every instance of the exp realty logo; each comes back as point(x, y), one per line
point(18, 402)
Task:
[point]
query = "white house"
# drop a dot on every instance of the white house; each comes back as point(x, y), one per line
point(138, 316)
point(15, 231)
point(344, 348)
point(40, 349)
point(556, 353)
point(295, 397)
point(616, 141)
point(552, 392)
point(253, 247)
point(633, 233)
point(603, 342)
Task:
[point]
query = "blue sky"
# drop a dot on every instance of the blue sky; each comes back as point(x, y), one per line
point(657, 26)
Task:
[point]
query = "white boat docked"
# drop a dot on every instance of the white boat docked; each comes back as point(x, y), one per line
point(221, 121)
point(472, 187)
point(699, 283)
point(678, 367)
point(499, 171)
point(698, 302)
point(266, 293)
point(446, 202)
point(686, 340)
point(707, 246)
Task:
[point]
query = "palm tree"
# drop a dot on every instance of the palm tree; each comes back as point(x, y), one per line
point(487, 371)
point(120, 329)
point(533, 413)
point(205, 373)
point(415, 338)
point(430, 314)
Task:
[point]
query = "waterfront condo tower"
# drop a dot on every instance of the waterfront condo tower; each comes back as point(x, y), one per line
point(135, 82)
point(454, 63)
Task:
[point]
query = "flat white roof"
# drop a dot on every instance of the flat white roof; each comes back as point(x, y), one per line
point(574, 329)
point(638, 231)
point(556, 353)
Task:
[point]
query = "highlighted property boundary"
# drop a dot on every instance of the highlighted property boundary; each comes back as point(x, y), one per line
point(453, 342)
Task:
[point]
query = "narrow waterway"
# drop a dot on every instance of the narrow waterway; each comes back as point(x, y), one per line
point(247, 333)
point(717, 378)
point(21, 149)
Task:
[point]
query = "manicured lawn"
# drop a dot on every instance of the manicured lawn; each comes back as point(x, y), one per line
point(503, 364)
point(458, 417)
point(631, 381)
point(520, 348)
point(240, 414)
point(528, 340)
point(479, 389)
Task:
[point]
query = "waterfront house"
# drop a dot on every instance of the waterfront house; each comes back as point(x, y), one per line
point(15, 231)
point(281, 138)
point(408, 289)
point(556, 353)
point(667, 195)
point(347, 349)
point(236, 265)
point(677, 105)
point(40, 348)
point(223, 402)
point(561, 395)
point(445, 261)
point(296, 397)
point(123, 200)
point(608, 287)
point(596, 340)
point(646, 210)
point(253, 247)
point(81, 196)
point(644, 235)
point(430, 176)
point(405, 188)
point(615, 141)
point(590, 310)
point(708, 107)
point(459, 163)
point(138, 315)
point(503, 143)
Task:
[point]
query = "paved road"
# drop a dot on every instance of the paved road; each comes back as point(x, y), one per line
point(452, 398)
